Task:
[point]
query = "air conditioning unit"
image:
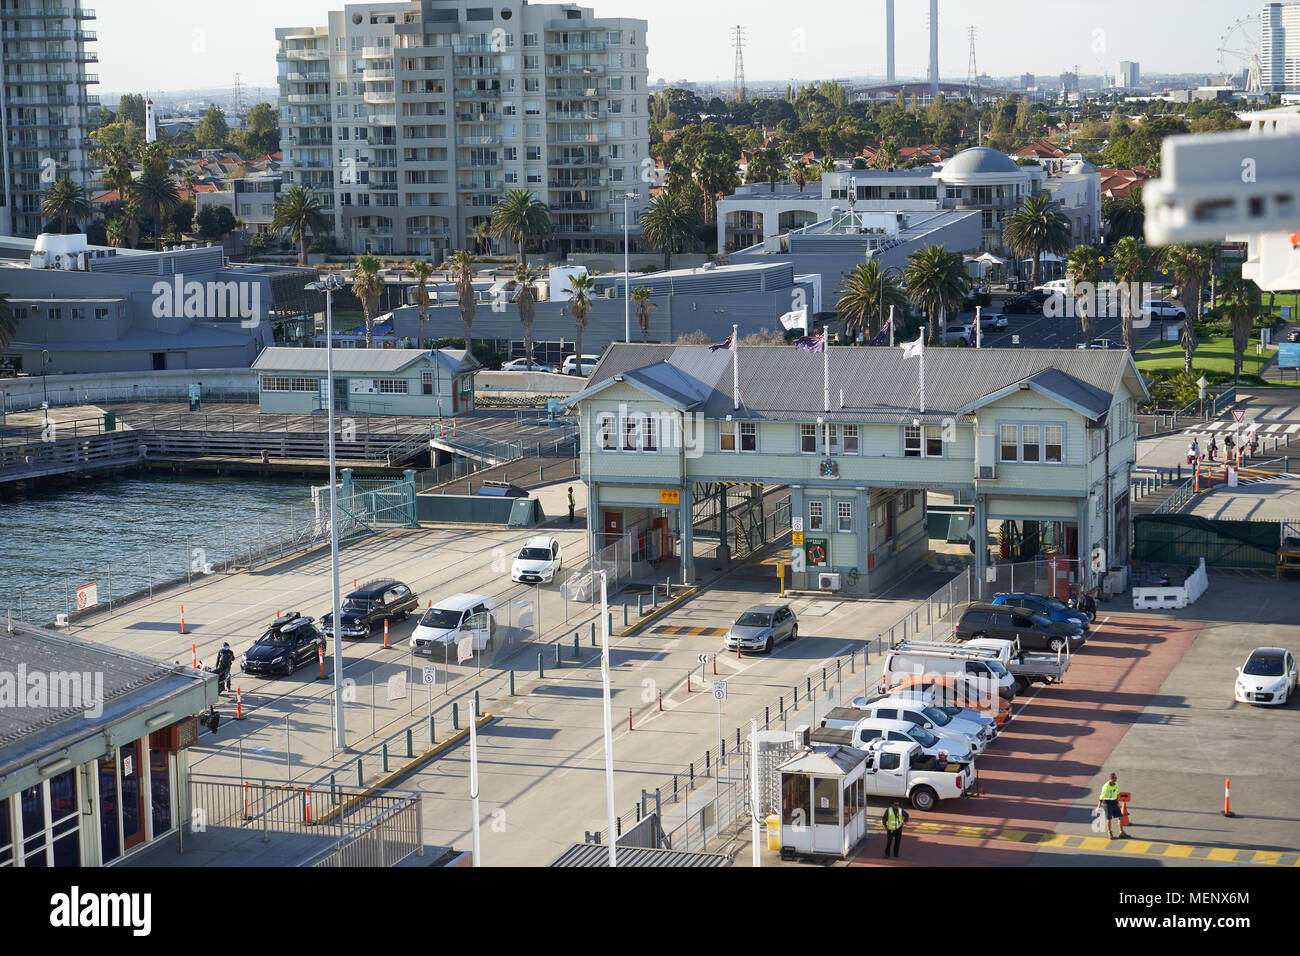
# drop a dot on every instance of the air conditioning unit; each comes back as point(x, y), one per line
point(988, 472)
point(827, 581)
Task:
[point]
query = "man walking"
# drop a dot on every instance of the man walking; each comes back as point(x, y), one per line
point(893, 818)
point(571, 504)
point(1109, 802)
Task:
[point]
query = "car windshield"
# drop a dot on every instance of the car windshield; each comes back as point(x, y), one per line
point(437, 617)
point(535, 554)
point(357, 604)
point(275, 639)
point(937, 715)
point(1040, 621)
point(949, 709)
point(754, 619)
point(1264, 665)
point(922, 736)
point(997, 668)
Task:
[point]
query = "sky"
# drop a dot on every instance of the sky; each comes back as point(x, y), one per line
point(147, 45)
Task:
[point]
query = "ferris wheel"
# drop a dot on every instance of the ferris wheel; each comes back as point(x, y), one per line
point(1239, 54)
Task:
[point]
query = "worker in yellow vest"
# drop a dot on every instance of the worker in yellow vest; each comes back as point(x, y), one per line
point(893, 818)
point(1109, 801)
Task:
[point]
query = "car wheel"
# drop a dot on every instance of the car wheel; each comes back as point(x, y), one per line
point(1056, 645)
point(289, 665)
point(767, 648)
point(924, 799)
point(794, 632)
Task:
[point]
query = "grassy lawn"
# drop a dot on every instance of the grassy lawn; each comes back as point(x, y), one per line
point(1214, 355)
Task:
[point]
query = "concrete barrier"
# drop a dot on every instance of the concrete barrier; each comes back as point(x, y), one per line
point(1173, 597)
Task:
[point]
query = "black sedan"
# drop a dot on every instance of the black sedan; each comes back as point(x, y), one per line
point(1031, 303)
point(365, 609)
point(288, 643)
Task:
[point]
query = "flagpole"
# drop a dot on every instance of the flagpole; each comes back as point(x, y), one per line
point(891, 326)
point(922, 367)
point(979, 328)
point(735, 369)
point(826, 373)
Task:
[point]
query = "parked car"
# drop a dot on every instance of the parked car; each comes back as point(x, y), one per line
point(1162, 309)
point(956, 691)
point(289, 642)
point(996, 321)
point(958, 333)
point(1028, 303)
point(1101, 344)
point(908, 707)
point(867, 729)
point(522, 365)
point(454, 618)
point(538, 561)
point(1054, 609)
point(946, 658)
point(1032, 630)
point(570, 366)
point(761, 627)
point(365, 609)
point(931, 698)
point(1267, 677)
point(1293, 335)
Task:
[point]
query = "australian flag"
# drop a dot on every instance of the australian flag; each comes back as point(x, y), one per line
point(724, 344)
point(882, 338)
point(811, 343)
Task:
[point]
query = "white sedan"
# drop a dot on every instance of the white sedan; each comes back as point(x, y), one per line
point(538, 561)
point(1267, 677)
point(521, 365)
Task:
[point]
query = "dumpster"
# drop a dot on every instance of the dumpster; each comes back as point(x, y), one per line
point(110, 421)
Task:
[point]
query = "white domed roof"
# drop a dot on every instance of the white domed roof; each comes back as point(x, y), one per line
point(979, 160)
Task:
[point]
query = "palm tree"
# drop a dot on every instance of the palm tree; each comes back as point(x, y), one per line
point(132, 217)
point(866, 294)
point(520, 216)
point(826, 164)
point(887, 155)
point(582, 288)
point(158, 196)
point(1240, 299)
point(1036, 228)
point(66, 201)
point(1191, 265)
point(483, 237)
point(668, 224)
point(1132, 262)
point(641, 296)
point(765, 166)
point(118, 232)
point(716, 175)
point(421, 272)
point(117, 168)
point(156, 156)
point(462, 264)
point(1126, 214)
point(8, 321)
point(936, 282)
point(799, 173)
point(297, 213)
point(1083, 264)
point(367, 284)
point(526, 303)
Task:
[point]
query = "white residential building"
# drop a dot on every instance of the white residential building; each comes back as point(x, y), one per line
point(1279, 47)
point(412, 119)
point(43, 105)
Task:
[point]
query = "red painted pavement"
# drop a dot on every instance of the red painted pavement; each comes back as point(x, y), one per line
point(1045, 760)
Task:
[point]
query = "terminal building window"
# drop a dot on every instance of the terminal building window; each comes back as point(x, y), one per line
point(749, 437)
point(815, 515)
point(1032, 444)
point(919, 442)
point(1053, 442)
point(1029, 444)
point(851, 446)
point(727, 436)
point(606, 425)
point(629, 434)
point(1009, 442)
point(807, 439)
point(649, 437)
point(844, 516)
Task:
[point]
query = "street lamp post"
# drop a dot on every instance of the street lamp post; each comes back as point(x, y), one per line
point(329, 285)
point(627, 277)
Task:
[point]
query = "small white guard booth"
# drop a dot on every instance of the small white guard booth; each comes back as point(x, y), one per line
point(823, 803)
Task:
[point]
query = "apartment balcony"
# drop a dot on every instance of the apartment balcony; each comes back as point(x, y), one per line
point(574, 228)
point(305, 142)
point(381, 141)
point(479, 164)
point(18, 35)
point(565, 70)
point(384, 73)
point(568, 162)
point(953, 202)
point(85, 56)
point(375, 232)
point(307, 99)
point(38, 56)
point(478, 140)
point(307, 55)
point(33, 11)
point(478, 117)
point(383, 119)
point(589, 46)
point(475, 71)
point(312, 76)
point(295, 163)
point(387, 186)
point(379, 97)
point(579, 139)
point(84, 14)
point(595, 91)
point(484, 187)
point(562, 116)
point(431, 232)
point(472, 47)
point(579, 206)
point(488, 94)
point(40, 101)
point(578, 185)
point(377, 53)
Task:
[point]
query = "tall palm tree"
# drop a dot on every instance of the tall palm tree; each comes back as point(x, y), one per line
point(132, 216)
point(67, 202)
point(1131, 261)
point(298, 213)
point(367, 284)
point(641, 296)
point(887, 155)
point(421, 272)
point(1035, 228)
point(582, 289)
point(1126, 214)
point(799, 173)
point(668, 224)
point(8, 321)
point(765, 166)
point(1240, 300)
point(156, 156)
point(1083, 265)
point(1190, 264)
point(716, 176)
point(483, 237)
point(936, 282)
point(158, 196)
point(520, 216)
point(866, 294)
point(462, 264)
point(117, 168)
point(826, 164)
point(526, 303)
point(118, 232)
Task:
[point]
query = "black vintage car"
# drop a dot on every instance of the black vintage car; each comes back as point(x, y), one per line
point(290, 642)
point(365, 609)
point(1030, 303)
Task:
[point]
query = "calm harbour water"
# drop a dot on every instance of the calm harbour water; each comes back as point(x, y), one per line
point(119, 532)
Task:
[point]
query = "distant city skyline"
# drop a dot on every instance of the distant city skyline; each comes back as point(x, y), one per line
point(152, 45)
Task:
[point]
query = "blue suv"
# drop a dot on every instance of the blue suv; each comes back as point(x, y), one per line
point(1051, 608)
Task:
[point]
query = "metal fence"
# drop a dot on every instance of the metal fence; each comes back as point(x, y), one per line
point(59, 394)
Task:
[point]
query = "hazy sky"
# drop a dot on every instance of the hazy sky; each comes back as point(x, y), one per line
point(164, 44)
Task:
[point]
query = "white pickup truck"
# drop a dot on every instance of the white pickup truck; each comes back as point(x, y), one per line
point(896, 769)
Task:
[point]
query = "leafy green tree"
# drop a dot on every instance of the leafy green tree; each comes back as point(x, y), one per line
point(261, 135)
point(215, 222)
point(212, 131)
point(131, 109)
point(1035, 228)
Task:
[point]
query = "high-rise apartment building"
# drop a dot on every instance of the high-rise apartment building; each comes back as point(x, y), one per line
point(412, 119)
point(1279, 48)
point(44, 104)
point(1127, 74)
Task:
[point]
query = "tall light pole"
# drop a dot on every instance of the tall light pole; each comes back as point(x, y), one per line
point(609, 726)
point(627, 277)
point(329, 285)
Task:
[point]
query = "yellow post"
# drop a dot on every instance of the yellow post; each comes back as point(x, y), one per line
point(780, 576)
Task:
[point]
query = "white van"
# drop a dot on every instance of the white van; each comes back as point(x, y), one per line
point(570, 366)
point(952, 660)
point(452, 619)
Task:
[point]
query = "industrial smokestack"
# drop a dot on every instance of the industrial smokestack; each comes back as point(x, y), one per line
point(889, 41)
point(934, 48)
point(150, 123)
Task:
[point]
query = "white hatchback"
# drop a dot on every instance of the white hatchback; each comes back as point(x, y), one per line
point(538, 561)
point(1268, 677)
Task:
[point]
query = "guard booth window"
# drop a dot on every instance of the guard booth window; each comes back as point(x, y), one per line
point(794, 800)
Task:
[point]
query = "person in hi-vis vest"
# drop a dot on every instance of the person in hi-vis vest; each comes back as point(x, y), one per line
point(1109, 801)
point(893, 819)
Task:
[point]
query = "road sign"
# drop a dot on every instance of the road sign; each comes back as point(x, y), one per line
point(796, 524)
point(430, 674)
point(1015, 340)
point(796, 538)
point(397, 686)
point(87, 596)
point(719, 690)
point(1238, 414)
point(667, 497)
point(703, 658)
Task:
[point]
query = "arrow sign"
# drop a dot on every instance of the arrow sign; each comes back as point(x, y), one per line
point(703, 658)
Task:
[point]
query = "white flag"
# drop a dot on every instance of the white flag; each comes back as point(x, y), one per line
point(913, 349)
point(798, 319)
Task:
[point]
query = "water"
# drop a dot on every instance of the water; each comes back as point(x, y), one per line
point(124, 532)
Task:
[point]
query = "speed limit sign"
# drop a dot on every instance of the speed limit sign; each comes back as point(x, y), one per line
point(430, 674)
point(719, 690)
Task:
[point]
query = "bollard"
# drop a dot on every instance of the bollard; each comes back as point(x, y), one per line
point(385, 753)
point(610, 622)
point(410, 742)
point(558, 665)
point(715, 665)
point(618, 826)
point(688, 682)
point(640, 605)
point(629, 719)
point(455, 715)
point(183, 620)
point(577, 651)
point(692, 770)
point(668, 589)
point(1227, 797)
point(239, 703)
point(478, 711)
point(320, 654)
point(359, 777)
point(512, 683)
point(624, 614)
point(540, 673)
point(795, 692)
point(767, 716)
point(810, 686)
point(385, 633)
point(661, 702)
point(194, 650)
point(674, 788)
point(780, 703)
point(654, 596)
point(706, 763)
point(593, 633)
point(432, 734)
point(823, 678)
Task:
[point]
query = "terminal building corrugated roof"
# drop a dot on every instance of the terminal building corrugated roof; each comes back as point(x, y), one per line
point(377, 361)
point(782, 383)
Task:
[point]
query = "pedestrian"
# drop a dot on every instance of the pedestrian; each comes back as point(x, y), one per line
point(1227, 444)
point(225, 660)
point(1191, 453)
point(572, 504)
point(1254, 444)
point(1214, 448)
point(893, 818)
point(1109, 802)
point(1196, 450)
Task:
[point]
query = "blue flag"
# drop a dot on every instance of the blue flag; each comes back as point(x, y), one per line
point(811, 343)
